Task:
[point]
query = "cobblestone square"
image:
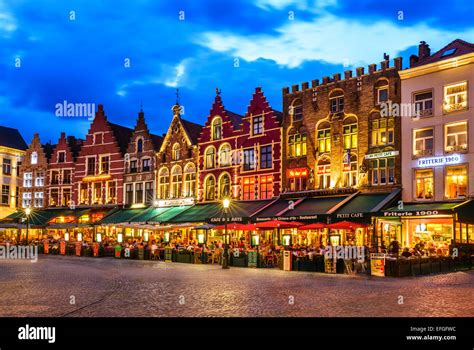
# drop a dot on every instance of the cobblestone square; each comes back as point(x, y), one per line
point(71, 286)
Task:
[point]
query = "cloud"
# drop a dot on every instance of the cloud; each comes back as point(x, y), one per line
point(330, 39)
point(7, 20)
point(179, 71)
point(306, 5)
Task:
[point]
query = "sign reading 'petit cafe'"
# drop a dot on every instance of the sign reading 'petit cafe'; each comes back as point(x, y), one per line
point(439, 161)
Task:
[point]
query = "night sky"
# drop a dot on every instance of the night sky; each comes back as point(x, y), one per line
point(82, 56)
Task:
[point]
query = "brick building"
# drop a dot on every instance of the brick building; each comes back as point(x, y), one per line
point(177, 160)
point(34, 168)
point(140, 165)
point(336, 136)
point(239, 156)
point(60, 175)
point(98, 177)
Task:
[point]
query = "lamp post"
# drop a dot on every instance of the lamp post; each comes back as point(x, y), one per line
point(27, 212)
point(225, 256)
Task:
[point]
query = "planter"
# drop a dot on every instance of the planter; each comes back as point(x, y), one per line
point(240, 261)
point(403, 268)
point(435, 265)
point(40, 249)
point(319, 263)
point(415, 267)
point(425, 266)
point(391, 267)
point(306, 265)
point(184, 258)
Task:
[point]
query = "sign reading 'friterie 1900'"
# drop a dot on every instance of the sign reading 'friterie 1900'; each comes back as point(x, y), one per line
point(439, 161)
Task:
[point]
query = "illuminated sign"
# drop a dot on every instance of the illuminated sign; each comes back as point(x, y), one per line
point(174, 202)
point(299, 172)
point(382, 155)
point(439, 161)
point(92, 178)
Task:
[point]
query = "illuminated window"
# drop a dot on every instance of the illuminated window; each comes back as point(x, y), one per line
point(39, 197)
point(249, 159)
point(324, 137)
point(383, 171)
point(336, 101)
point(423, 101)
point(189, 180)
point(257, 125)
point(266, 161)
point(381, 88)
point(111, 192)
point(54, 197)
point(210, 161)
point(26, 200)
point(34, 158)
point(297, 179)
point(455, 97)
point(297, 145)
point(217, 128)
point(5, 194)
point(104, 164)
point(176, 181)
point(97, 193)
point(423, 142)
point(224, 186)
point(28, 179)
point(324, 173)
point(424, 183)
point(296, 110)
point(146, 164)
point(39, 180)
point(456, 137)
point(67, 196)
point(456, 182)
point(383, 131)
point(176, 153)
point(350, 133)
point(163, 183)
point(83, 194)
point(349, 170)
point(248, 188)
point(224, 155)
point(54, 177)
point(266, 186)
point(209, 188)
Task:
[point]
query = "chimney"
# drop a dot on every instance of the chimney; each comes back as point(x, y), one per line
point(336, 77)
point(325, 80)
point(285, 90)
point(63, 135)
point(347, 74)
point(423, 50)
point(384, 65)
point(413, 60)
point(304, 86)
point(314, 83)
point(397, 61)
point(295, 88)
point(360, 71)
point(372, 68)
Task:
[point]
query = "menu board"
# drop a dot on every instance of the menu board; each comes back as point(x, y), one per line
point(252, 258)
point(377, 264)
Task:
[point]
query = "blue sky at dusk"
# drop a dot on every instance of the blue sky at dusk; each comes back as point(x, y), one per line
point(82, 60)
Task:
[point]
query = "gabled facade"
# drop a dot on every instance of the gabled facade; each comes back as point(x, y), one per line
point(12, 151)
point(60, 175)
point(177, 161)
point(34, 168)
point(140, 165)
point(219, 154)
point(337, 135)
point(100, 165)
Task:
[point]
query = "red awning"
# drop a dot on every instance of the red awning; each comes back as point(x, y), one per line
point(236, 226)
point(314, 226)
point(277, 224)
point(346, 225)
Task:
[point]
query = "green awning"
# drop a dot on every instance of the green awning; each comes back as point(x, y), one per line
point(120, 216)
point(428, 209)
point(169, 215)
point(365, 205)
point(147, 214)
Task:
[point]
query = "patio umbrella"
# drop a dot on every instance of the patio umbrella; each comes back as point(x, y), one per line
point(346, 225)
point(236, 226)
point(313, 226)
point(205, 227)
point(277, 224)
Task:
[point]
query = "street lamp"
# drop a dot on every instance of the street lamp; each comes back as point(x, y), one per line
point(27, 212)
point(225, 256)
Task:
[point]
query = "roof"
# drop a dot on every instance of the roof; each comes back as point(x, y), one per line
point(235, 119)
point(278, 115)
point(122, 135)
point(48, 149)
point(157, 141)
point(75, 145)
point(12, 138)
point(193, 130)
point(459, 46)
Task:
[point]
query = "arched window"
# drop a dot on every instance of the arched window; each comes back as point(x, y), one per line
point(224, 186)
point(163, 183)
point(350, 133)
point(189, 180)
point(34, 157)
point(176, 181)
point(217, 128)
point(349, 170)
point(296, 110)
point(210, 160)
point(336, 101)
point(324, 137)
point(224, 155)
point(209, 188)
point(176, 153)
point(324, 173)
point(140, 145)
point(381, 91)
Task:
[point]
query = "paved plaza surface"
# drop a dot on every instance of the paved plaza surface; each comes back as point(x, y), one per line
point(73, 286)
